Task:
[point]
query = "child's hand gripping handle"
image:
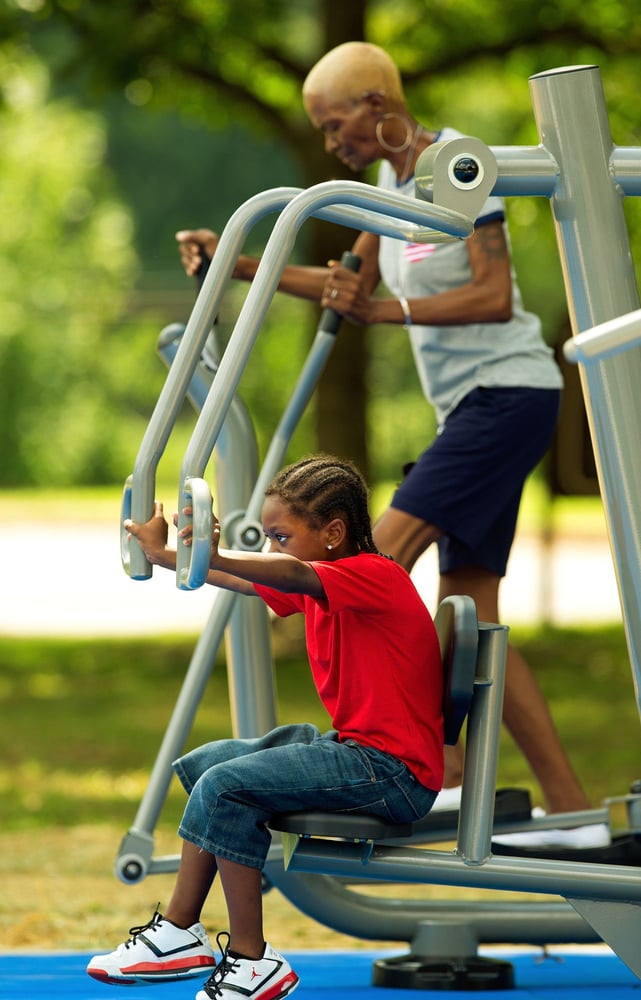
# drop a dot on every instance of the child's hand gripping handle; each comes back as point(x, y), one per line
point(192, 561)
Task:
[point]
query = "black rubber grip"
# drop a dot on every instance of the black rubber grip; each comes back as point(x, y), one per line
point(203, 267)
point(330, 320)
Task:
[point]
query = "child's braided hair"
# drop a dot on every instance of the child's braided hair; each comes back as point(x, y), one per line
point(322, 487)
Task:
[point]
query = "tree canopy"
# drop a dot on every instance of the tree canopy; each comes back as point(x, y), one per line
point(223, 65)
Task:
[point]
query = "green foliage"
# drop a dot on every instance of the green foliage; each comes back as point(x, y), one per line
point(83, 720)
point(83, 723)
point(201, 100)
point(65, 264)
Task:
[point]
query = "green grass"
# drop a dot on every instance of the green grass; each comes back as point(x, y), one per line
point(83, 720)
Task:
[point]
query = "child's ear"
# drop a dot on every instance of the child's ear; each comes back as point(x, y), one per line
point(335, 532)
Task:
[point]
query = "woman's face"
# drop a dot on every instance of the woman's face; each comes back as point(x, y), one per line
point(349, 129)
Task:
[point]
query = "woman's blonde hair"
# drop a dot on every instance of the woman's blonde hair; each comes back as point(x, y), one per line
point(351, 70)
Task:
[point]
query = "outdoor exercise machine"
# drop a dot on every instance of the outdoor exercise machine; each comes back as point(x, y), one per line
point(584, 177)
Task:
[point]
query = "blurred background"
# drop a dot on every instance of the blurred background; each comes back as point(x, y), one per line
point(122, 122)
point(126, 121)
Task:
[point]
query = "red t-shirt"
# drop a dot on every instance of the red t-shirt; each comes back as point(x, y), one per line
point(375, 659)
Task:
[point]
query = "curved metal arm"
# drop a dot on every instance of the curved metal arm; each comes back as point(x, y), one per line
point(368, 205)
point(605, 339)
point(192, 561)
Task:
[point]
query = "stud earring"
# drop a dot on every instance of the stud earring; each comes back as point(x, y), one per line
point(329, 547)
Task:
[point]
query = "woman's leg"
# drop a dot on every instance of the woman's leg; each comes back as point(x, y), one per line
point(525, 710)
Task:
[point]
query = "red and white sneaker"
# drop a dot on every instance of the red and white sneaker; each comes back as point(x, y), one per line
point(268, 978)
point(157, 952)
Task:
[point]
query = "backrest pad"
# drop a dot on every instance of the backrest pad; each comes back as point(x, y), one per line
point(457, 627)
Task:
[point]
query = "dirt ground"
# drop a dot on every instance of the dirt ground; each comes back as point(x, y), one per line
point(59, 893)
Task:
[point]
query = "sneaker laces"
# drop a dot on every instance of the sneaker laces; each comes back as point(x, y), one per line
point(226, 965)
point(149, 926)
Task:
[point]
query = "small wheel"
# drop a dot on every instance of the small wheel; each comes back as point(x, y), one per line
point(130, 868)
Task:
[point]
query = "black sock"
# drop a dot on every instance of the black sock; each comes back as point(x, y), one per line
point(246, 958)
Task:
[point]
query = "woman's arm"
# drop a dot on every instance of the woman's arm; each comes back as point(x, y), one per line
point(486, 298)
point(302, 281)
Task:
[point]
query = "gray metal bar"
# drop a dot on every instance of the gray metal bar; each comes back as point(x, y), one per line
point(626, 168)
point(586, 204)
point(314, 364)
point(617, 432)
point(579, 880)
point(332, 903)
point(525, 170)
point(279, 246)
point(133, 860)
point(533, 170)
point(600, 285)
point(247, 639)
point(373, 204)
point(142, 489)
point(179, 376)
point(605, 340)
point(242, 622)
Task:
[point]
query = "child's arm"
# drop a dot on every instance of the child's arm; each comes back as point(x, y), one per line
point(271, 569)
point(231, 570)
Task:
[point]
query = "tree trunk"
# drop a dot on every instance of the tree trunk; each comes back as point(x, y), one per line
point(342, 397)
point(342, 391)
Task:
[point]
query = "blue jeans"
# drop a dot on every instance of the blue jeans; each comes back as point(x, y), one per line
point(235, 786)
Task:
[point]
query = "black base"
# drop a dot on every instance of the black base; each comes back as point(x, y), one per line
point(414, 972)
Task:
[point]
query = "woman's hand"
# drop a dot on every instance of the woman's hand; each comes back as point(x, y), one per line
point(344, 292)
point(192, 244)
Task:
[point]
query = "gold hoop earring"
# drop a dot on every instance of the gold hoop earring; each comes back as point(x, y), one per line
point(380, 125)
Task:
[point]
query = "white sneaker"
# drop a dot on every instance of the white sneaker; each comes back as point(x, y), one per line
point(577, 838)
point(268, 978)
point(448, 798)
point(156, 952)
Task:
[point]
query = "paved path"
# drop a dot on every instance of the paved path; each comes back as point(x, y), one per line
point(65, 580)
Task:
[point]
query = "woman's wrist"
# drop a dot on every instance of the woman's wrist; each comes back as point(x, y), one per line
point(405, 308)
point(391, 311)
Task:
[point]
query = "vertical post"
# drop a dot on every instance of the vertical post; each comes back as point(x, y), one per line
point(571, 116)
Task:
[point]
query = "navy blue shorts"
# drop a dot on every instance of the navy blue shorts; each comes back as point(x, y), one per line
point(469, 481)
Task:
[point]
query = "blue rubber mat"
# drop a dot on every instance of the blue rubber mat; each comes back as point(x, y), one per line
point(578, 974)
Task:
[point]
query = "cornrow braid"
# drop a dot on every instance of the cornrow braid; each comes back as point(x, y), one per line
point(322, 487)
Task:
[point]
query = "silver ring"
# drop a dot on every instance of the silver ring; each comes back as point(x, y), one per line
point(334, 293)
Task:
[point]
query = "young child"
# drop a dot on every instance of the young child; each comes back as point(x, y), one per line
point(375, 660)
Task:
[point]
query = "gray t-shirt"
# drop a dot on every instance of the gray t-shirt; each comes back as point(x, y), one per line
point(453, 360)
